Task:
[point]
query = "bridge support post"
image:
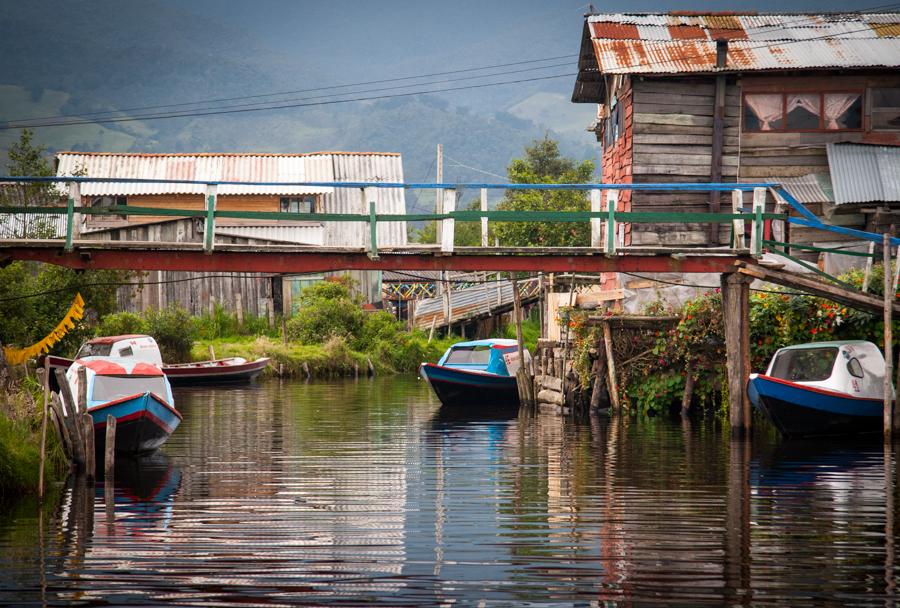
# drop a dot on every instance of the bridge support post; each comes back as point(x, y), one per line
point(596, 222)
point(612, 199)
point(209, 237)
point(736, 311)
point(447, 230)
point(73, 218)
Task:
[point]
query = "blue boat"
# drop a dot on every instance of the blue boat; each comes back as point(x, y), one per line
point(476, 376)
point(822, 388)
point(137, 394)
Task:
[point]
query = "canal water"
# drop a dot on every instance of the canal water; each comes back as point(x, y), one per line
point(361, 493)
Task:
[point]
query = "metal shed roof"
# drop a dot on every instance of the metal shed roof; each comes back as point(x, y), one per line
point(686, 43)
point(864, 173)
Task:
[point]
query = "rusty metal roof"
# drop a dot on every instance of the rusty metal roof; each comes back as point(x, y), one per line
point(686, 43)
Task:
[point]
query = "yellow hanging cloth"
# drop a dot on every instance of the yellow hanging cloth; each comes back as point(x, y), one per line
point(15, 356)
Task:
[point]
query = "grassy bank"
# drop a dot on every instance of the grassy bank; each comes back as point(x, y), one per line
point(333, 358)
point(20, 437)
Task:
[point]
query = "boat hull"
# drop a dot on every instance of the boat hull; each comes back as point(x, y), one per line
point(188, 374)
point(462, 390)
point(208, 373)
point(143, 423)
point(798, 410)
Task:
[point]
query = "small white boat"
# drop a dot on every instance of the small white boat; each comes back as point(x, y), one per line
point(822, 388)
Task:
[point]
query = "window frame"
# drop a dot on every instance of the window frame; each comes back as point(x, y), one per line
point(870, 110)
point(287, 200)
point(863, 99)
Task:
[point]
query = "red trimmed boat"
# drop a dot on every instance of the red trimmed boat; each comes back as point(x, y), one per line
point(144, 348)
point(135, 393)
point(477, 376)
point(822, 388)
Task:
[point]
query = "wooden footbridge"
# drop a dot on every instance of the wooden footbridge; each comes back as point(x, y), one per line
point(738, 263)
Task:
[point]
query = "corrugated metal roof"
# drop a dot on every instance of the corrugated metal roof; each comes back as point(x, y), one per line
point(314, 167)
point(665, 44)
point(864, 173)
point(302, 234)
point(194, 167)
point(812, 188)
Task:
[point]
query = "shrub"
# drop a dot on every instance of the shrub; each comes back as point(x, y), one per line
point(327, 310)
point(376, 326)
point(174, 331)
point(121, 323)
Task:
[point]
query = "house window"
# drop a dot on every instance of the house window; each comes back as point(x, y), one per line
point(803, 111)
point(614, 125)
point(298, 204)
point(885, 109)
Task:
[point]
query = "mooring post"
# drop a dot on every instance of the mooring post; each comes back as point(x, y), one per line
point(46, 383)
point(888, 343)
point(688, 388)
point(522, 376)
point(109, 456)
point(612, 382)
point(735, 309)
point(87, 424)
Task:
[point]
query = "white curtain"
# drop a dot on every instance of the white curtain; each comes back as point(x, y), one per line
point(767, 109)
point(809, 102)
point(835, 106)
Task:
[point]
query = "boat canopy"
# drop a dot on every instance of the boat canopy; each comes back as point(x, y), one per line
point(853, 367)
point(135, 346)
point(109, 379)
point(493, 356)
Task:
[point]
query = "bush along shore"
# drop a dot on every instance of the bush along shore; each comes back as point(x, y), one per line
point(660, 360)
point(330, 336)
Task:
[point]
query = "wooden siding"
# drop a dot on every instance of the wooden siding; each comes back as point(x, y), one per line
point(672, 142)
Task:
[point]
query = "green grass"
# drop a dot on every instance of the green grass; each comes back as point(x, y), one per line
point(401, 354)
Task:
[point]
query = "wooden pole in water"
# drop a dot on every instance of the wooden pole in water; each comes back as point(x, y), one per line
point(735, 289)
point(44, 426)
point(87, 425)
point(688, 388)
point(888, 343)
point(611, 367)
point(109, 457)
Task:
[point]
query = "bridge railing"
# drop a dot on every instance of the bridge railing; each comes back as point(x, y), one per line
point(603, 216)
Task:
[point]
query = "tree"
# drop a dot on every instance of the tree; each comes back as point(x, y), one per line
point(27, 159)
point(543, 164)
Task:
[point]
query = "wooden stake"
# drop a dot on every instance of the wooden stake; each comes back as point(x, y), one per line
point(306, 370)
point(212, 353)
point(87, 425)
point(284, 337)
point(865, 285)
point(109, 457)
point(612, 382)
point(688, 388)
point(46, 379)
point(431, 331)
point(888, 343)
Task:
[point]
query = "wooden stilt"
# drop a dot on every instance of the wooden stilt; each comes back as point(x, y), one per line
point(522, 377)
point(888, 342)
point(613, 383)
point(735, 289)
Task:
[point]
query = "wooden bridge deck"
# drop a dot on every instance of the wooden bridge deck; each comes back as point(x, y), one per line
point(131, 255)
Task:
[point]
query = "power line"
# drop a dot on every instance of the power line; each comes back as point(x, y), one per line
point(294, 92)
point(284, 106)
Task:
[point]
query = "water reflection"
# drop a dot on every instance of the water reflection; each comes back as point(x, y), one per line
point(364, 492)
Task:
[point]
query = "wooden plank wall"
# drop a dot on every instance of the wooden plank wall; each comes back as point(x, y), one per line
point(672, 142)
point(163, 288)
